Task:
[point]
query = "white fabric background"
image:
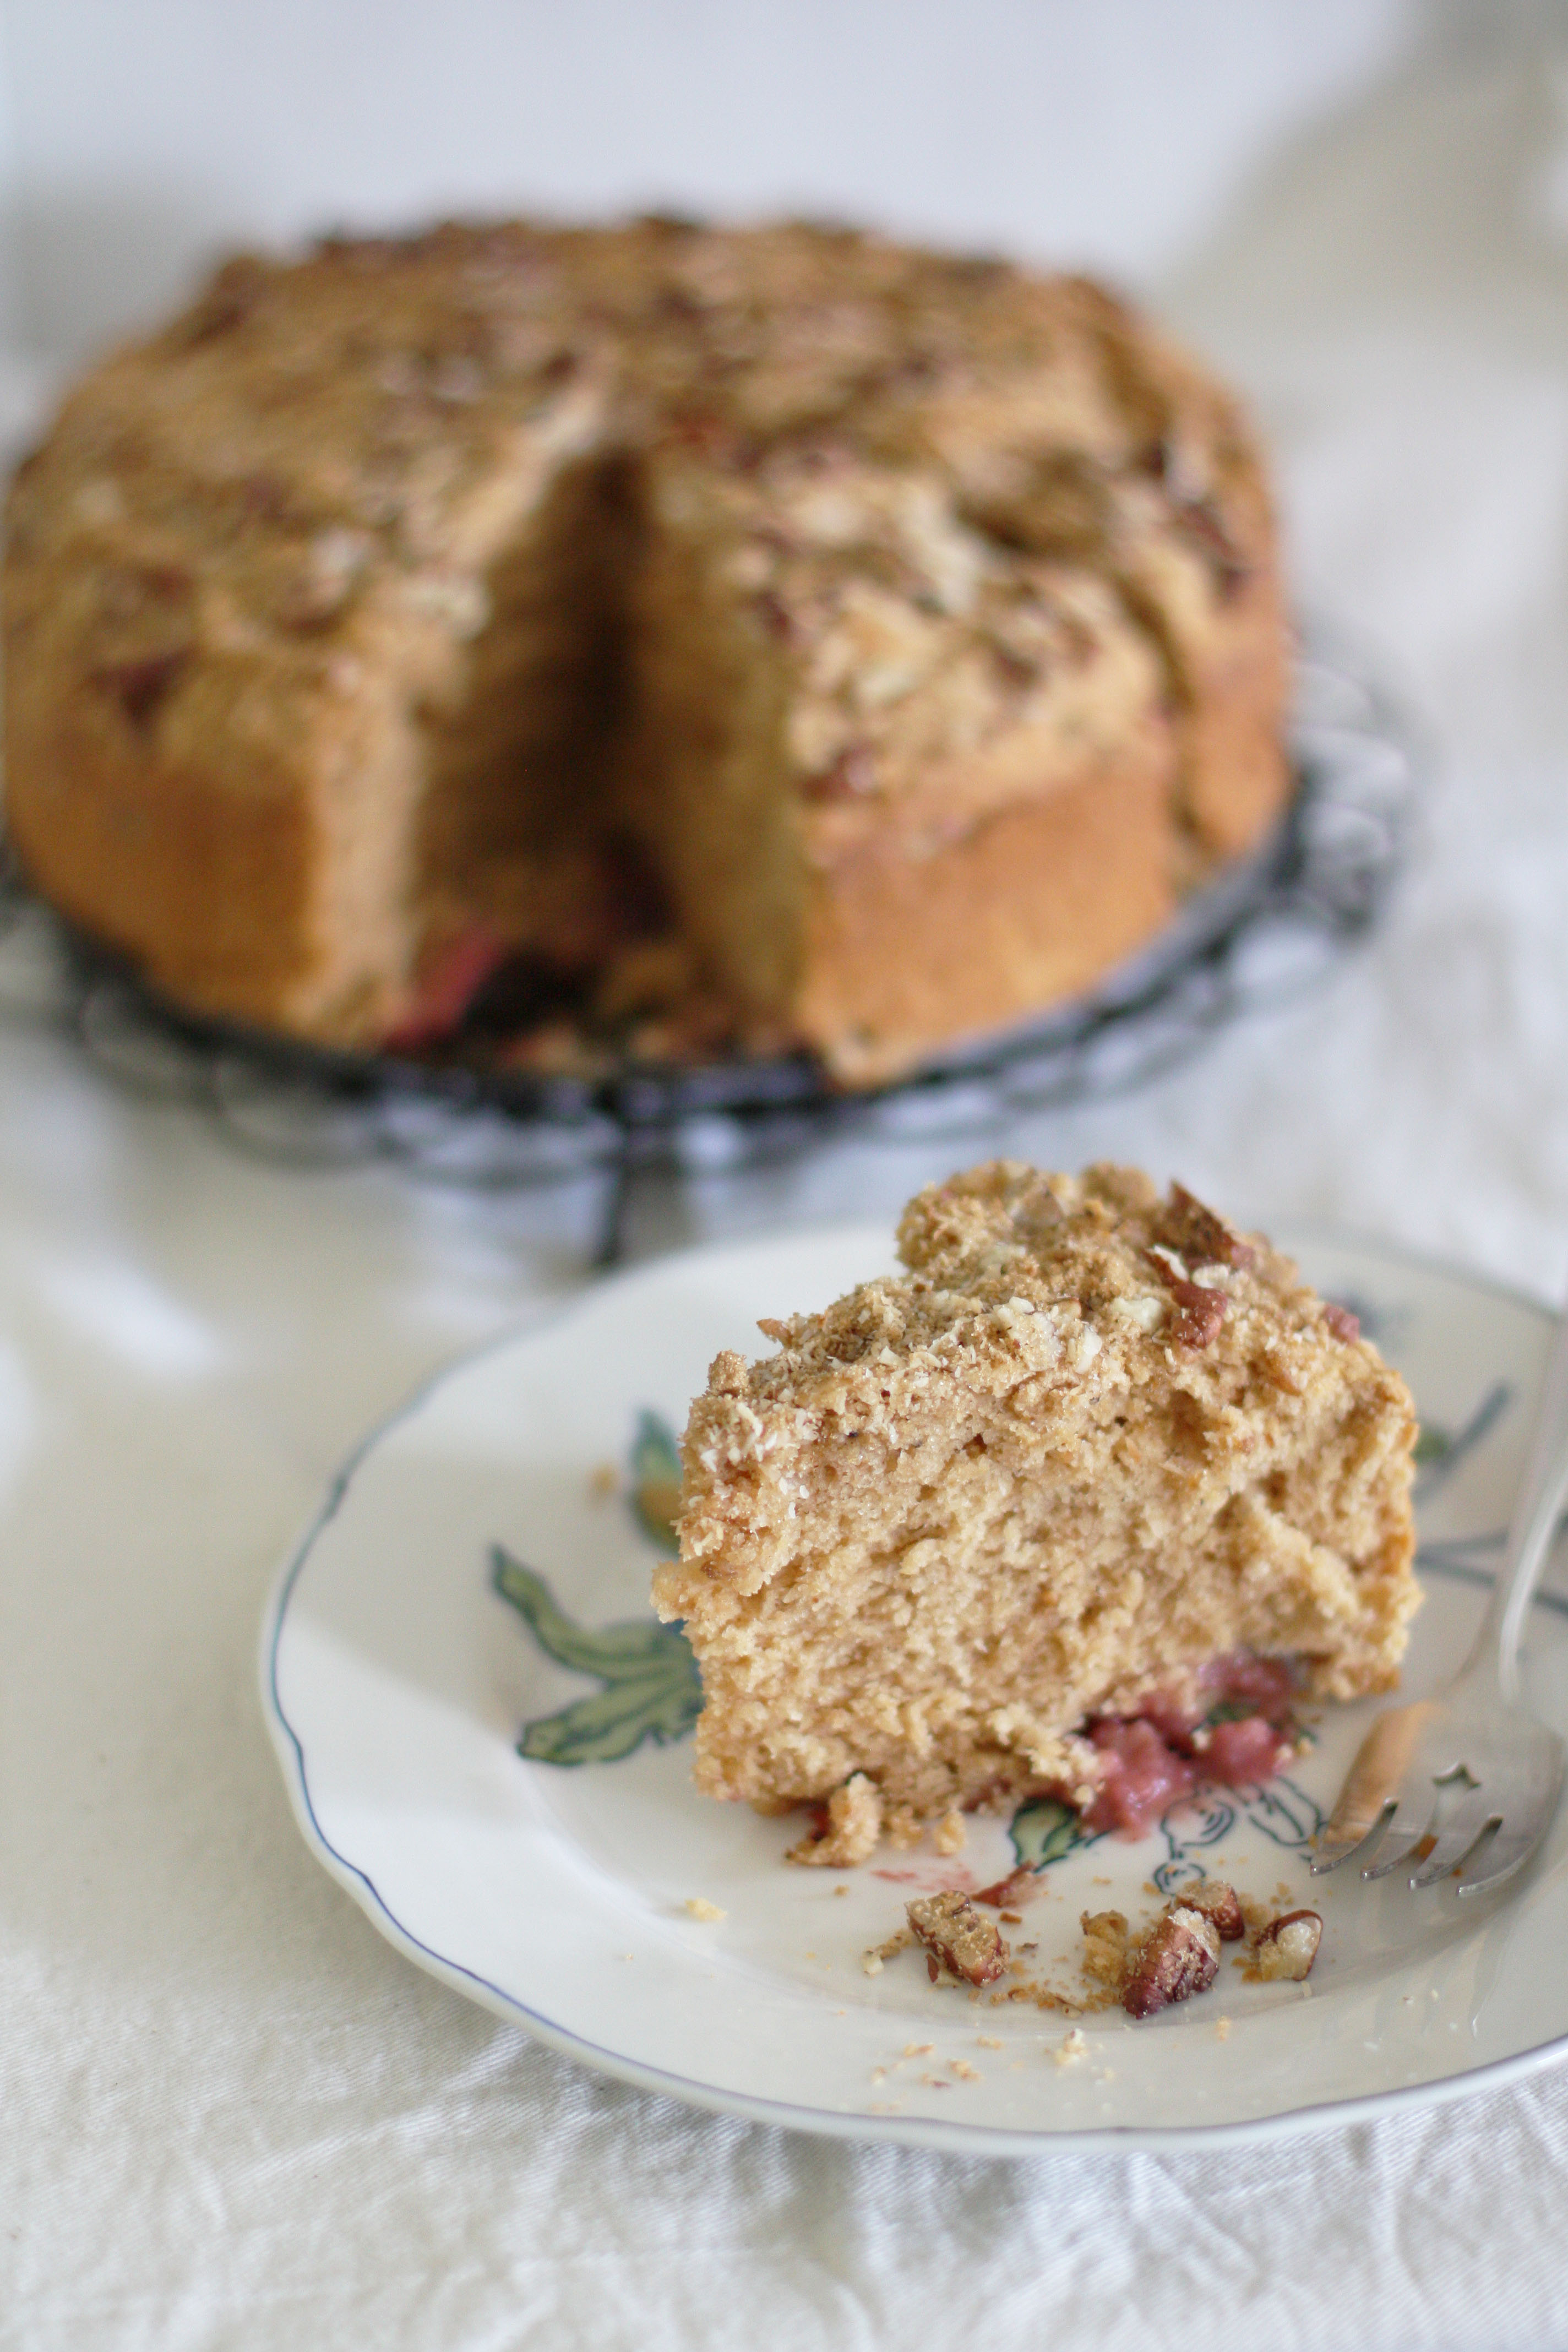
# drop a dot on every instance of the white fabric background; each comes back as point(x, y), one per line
point(229, 2115)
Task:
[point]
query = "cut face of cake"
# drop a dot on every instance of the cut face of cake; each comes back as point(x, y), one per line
point(1093, 1457)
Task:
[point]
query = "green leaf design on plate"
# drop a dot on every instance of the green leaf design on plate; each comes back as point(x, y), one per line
point(1044, 1830)
point(656, 1482)
point(651, 1687)
point(1284, 1812)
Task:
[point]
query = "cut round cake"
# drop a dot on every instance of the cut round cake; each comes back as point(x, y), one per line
point(1093, 1461)
point(866, 645)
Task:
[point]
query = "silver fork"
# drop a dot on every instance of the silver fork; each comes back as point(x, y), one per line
point(1468, 1782)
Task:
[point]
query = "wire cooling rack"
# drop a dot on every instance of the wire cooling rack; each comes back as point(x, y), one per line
point(1268, 931)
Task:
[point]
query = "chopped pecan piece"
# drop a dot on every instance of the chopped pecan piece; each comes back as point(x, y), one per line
point(1341, 1322)
point(1221, 1907)
point(1198, 521)
point(852, 775)
point(1018, 670)
point(777, 618)
point(1199, 1316)
point(1199, 1311)
point(1179, 1957)
point(957, 1939)
point(264, 495)
point(701, 429)
point(228, 301)
point(141, 684)
point(165, 583)
point(1288, 1946)
point(1201, 1235)
point(846, 1830)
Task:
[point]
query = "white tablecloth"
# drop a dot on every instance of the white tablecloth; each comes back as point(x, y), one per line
point(229, 2114)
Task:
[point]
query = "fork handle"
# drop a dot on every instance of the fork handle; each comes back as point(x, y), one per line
point(1536, 1510)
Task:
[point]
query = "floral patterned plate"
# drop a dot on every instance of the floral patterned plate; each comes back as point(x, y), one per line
point(486, 1738)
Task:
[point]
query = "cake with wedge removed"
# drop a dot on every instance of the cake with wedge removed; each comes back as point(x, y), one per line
point(1093, 1455)
point(645, 638)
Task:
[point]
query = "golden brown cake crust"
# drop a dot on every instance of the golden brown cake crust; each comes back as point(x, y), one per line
point(1088, 1442)
point(316, 614)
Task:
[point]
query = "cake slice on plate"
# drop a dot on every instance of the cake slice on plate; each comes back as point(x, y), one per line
point(1092, 1460)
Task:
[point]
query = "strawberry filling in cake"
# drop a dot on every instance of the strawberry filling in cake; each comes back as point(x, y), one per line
point(1238, 1734)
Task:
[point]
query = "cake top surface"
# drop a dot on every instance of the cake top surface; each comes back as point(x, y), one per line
point(365, 422)
point(929, 663)
point(1055, 1290)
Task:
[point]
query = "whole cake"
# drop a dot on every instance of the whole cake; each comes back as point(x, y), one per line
point(1009, 1522)
point(783, 630)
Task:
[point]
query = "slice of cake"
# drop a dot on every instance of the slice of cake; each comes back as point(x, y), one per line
point(1093, 1455)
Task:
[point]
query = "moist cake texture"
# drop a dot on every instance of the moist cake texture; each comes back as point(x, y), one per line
point(867, 644)
point(1089, 1442)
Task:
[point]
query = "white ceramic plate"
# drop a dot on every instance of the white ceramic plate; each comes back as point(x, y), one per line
point(398, 1676)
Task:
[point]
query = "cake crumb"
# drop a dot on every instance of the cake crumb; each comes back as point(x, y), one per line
point(1222, 2028)
point(989, 2041)
point(700, 1908)
point(965, 2073)
point(950, 1835)
point(1071, 2049)
point(853, 1826)
point(1105, 1946)
point(918, 2049)
point(872, 1961)
point(841, 1890)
